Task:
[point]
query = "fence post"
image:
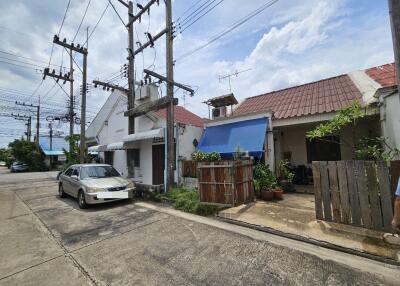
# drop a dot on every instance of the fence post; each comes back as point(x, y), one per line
point(326, 196)
point(385, 194)
point(344, 192)
point(334, 190)
point(317, 190)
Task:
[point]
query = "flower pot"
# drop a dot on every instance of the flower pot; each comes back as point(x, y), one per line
point(278, 194)
point(267, 195)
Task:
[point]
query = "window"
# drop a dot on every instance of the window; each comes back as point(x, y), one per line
point(134, 157)
point(99, 172)
point(323, 149)
point(68, 172)
point(109, 157)
point(75, 172)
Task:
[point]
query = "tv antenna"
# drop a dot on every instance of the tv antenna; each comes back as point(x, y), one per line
point(229, 76)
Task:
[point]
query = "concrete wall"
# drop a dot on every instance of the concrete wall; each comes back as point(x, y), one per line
point(390, 118)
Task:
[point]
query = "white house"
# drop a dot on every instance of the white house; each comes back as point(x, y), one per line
point(108, 135)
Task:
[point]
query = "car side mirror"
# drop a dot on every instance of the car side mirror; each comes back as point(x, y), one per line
point(75, 177)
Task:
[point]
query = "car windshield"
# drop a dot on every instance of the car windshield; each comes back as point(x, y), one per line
point(98, 172)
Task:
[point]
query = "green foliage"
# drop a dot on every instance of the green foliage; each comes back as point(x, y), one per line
point(200, 156)
point(284, 171)
point(187, 201)
point(373, 149)
point(73, 154)
point(239, 153)
point(29, 153)
point(6, 156)
point(344, 117)
point(263, 178)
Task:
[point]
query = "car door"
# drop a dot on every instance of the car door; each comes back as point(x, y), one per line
point(65, 180)
point(75, 183)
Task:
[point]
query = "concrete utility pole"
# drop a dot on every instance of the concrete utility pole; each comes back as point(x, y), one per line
point(30, 120)
point(82, 144)
point(168, 101)
point(131, 72)
point(170, 94)
point(71, 98)
point(82, 50)
point(394, 12)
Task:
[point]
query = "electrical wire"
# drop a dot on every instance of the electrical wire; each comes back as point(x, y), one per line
point(83, 18)
point(187, 10)
point(184, 26)
point(191, 14)
point(23, 57)
point(116, 12)
point(97, 23)
point(229, 29)
point(65, 16)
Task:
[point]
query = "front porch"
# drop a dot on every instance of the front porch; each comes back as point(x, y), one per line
point(295, 217)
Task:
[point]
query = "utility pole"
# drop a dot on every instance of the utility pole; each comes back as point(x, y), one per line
point(394, 12)
point(30, 120)
point(170, 94)
point(82, 50)
point(167, 101)
point(131, 71)
point(71, 98)
point(82, 144)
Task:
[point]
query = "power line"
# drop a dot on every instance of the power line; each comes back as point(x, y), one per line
point(188, 24)
point(83, 18)
point(65, 15)
point(116, 12)
point(230, 29)
point(27, 67)
point(187, 10)
point(23, 57)
point(191, 14)
point(98, 21)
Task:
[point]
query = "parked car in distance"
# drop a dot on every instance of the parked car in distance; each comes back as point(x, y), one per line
point(19, 167)
point(94, 184)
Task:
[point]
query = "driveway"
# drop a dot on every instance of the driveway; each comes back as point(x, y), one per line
point(45, 240)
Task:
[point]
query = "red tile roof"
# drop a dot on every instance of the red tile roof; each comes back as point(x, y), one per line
point(182, 115)
point(385, 75)
point(322, 96)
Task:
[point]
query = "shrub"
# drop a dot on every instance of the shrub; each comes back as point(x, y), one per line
point(263, 178)
point(284, 171)
point(187, 201)
point(200, 156)
point(28, 152)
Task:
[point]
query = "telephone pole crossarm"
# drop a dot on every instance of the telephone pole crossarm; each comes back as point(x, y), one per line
point(65, 78)
point(77, 48)
point(163, 78)
point(151, 106)
point(144, 9)
point(154, 38)
point(110, 86)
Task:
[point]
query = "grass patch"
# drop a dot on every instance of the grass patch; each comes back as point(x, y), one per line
point(187, 201)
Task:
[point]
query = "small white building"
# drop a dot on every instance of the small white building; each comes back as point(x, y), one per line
point(108, 135)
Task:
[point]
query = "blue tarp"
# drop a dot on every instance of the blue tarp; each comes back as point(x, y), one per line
point(58, 144)
point(249, 135)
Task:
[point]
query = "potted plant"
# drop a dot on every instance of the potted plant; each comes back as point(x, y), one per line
point(257, 189)
point(266, 181)
point(285, 176)
point(278, 193)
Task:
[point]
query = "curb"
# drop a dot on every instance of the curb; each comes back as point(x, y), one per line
point(311, 241)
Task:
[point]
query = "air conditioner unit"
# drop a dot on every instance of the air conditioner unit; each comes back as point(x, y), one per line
point(219, 112)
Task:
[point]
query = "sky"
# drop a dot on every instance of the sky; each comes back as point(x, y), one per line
point(288, 43)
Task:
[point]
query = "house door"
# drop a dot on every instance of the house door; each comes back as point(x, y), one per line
point(158, 164)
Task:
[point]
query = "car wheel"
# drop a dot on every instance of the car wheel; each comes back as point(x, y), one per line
point(61, 192)
point(81, 200)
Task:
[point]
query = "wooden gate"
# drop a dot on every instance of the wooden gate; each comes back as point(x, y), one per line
point(353, 192)
point(225, 183)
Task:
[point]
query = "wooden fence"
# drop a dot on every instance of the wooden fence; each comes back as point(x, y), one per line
point(353, 192)
point(225, 183)
point(189, 169)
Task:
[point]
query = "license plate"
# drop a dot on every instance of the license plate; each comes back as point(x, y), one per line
point(113, 195)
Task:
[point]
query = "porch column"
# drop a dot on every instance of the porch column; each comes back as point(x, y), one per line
point(269, 147)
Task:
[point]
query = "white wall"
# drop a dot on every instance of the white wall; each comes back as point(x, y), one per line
point(390, 118)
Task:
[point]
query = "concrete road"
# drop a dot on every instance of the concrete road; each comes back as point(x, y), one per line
point(45, 240)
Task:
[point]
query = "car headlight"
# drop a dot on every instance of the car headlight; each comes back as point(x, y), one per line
point(94, 190)
point(130, 185)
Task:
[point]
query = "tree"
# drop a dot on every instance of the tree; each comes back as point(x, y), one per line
point(29, 153)
point(366, 148)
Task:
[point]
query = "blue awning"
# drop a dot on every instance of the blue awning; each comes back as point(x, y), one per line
point(249, 135)
point(58, 145)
